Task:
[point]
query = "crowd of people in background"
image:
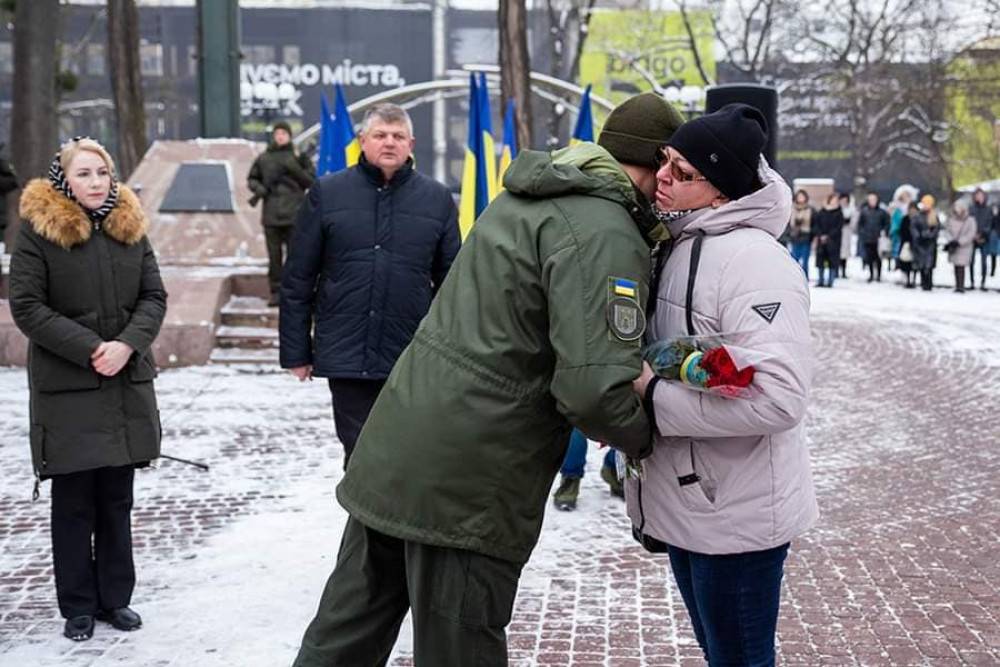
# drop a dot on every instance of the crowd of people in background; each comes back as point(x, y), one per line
point(905, 235)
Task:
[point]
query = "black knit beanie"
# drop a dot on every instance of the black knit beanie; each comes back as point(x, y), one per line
point(638, 128)
point(725, 146)
point(282, 125)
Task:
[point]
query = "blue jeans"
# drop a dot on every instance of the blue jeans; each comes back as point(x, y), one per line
point(733, 603)
point(826, 275)
point(576, 456)
point(800, 253)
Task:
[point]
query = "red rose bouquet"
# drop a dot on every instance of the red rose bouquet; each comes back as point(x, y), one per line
point(706, 363)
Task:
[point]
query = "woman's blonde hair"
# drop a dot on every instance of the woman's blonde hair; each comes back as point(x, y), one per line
point(69, 150)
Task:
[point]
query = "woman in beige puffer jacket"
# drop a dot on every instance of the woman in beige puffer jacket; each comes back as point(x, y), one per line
point(728, 485)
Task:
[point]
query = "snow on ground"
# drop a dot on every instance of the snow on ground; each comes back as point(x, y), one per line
point(237, 583)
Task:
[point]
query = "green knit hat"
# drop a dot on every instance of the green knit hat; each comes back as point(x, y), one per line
point(638, 127)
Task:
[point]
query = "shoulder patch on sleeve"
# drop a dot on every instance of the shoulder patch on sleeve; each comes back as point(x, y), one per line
point(767, 310)
point(625, 317)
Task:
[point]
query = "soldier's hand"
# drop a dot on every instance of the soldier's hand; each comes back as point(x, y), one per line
point(303, 373)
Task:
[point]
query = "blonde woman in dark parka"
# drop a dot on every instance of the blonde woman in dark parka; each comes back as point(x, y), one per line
point(86, 291)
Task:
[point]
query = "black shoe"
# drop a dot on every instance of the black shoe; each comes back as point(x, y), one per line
point(122, 618)
point(79, 628)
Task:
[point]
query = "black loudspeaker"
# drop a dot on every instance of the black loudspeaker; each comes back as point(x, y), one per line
point(762, 98)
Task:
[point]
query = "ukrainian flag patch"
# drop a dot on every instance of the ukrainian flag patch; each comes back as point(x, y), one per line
point(625, 287)
point(625, 317)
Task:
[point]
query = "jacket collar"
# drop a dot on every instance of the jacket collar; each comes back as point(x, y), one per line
point(375, 175)
point(653, 229)
point(64, 223)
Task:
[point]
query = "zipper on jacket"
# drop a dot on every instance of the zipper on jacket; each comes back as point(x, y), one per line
point(121, 377)
point(38, 475)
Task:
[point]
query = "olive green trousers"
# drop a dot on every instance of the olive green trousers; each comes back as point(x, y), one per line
point(461, 603)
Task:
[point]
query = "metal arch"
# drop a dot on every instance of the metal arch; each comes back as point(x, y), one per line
point(420, 93)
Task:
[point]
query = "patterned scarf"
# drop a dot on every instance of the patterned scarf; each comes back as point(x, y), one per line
point(58, 178)
point(666, 217)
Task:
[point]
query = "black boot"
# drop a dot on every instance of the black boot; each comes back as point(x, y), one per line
point(122, 618)
point(960, 279)
point(79, 628)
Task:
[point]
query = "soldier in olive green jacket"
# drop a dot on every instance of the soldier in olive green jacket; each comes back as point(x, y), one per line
point(535, 330)
point(280, 176)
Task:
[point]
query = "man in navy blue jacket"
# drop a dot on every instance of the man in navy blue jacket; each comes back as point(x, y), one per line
point(371, 246)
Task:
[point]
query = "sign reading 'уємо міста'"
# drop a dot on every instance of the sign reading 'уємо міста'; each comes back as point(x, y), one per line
point(279, 87)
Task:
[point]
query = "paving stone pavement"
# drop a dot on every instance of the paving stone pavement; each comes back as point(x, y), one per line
point(903, 569)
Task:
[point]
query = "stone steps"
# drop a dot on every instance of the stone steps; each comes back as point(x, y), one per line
point(249, 311)
point(248, 338)
point(248, 333)
point(238, 356)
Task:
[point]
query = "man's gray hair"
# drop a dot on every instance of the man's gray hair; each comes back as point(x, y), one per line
point(387, 113)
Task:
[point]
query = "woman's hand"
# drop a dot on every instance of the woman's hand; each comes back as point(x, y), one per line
point(639, 384)
point(110, 357)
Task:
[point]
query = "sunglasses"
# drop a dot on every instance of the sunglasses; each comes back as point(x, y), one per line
point(676, 173)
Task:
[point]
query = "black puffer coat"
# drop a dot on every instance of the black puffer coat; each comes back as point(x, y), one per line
point(872, 223)
point(73, 286)
point(827, 227)
point(925, 236)
point(365, 261)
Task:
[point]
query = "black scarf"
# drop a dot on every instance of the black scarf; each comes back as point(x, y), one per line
point(58, 178)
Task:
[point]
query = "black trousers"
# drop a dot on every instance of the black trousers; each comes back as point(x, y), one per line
point(352, 402)
point(461, 602)
point(277, 239)
point(92, 540)
point(981, 251)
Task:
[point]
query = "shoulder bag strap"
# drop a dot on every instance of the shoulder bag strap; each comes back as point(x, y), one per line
point(692, 273)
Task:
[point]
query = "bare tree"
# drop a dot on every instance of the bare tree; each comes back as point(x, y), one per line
point(884, 60)
point(515, 65)
point(746, 30)
point(569, 21)
point(126, 83)
point(991, 8)
point(33, 116)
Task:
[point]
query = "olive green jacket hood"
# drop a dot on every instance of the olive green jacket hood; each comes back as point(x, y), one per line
point(587, 169)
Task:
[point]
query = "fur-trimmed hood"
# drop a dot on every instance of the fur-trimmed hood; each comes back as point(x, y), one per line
point(64, 222)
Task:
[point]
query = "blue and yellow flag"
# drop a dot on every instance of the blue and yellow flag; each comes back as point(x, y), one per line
point(486, 126)
point(346, 148)
point(584, 130)
point(509, 150)
point(326, 131)
point(475, 188)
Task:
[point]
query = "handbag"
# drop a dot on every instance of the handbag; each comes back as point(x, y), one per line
point(906, 253)
point(951, 246)
point(884, 246)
